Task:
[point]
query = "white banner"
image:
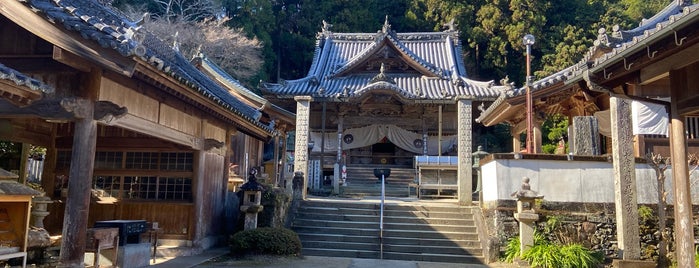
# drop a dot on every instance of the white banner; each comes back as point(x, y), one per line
point(361, 137)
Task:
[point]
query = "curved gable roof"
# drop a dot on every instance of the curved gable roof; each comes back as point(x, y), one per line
point(424, 66)
point(388, 40)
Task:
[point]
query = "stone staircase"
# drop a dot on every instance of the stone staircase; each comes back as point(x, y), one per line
point(362, 182)
point(415, 231)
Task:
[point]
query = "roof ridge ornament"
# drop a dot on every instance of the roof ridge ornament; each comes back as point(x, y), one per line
point(326, 27)
point(386, 26)
point(176, 42)
point(382, 77)
point(451, 25)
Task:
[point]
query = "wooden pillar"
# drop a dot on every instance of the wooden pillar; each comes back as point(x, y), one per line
point(79, 183)
point(303, 110)
point(626, 203)
point(465, 135)
point(516, 140)
point(276, 148)
point(24, 156)
point(536, 125)
point(684, 233)
point(199, 220)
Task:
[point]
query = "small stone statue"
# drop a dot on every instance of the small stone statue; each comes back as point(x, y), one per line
point(525, 196)
point(297, 181)
point(526, 190)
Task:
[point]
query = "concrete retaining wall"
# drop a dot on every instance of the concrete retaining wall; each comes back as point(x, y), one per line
point(570, 181)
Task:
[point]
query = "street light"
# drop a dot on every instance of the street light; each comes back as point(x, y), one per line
point(528, 41)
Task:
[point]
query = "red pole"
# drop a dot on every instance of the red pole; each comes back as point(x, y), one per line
point(530, 132)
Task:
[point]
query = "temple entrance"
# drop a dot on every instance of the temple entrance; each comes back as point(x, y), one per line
point(380, 153)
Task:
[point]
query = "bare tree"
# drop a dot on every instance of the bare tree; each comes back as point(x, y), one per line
point(188, 10)
point(660, 165)
point(229, 48)
point(195, 26)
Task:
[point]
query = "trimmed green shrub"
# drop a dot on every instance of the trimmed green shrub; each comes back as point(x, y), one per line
point(276, 241)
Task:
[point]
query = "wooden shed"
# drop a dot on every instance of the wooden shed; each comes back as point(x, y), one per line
point(15, 206)
point(134, 131)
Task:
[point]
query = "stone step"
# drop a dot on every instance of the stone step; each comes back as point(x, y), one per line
point(173, 251)
point(452, 250)
point(388, 225)
point(387, 213)
point(371, 246)
point(470, 244)
point(464, 259)
point(420, 231)
point(368, 254)
point(390, 219)
point(338, 238)
point(331, 252)
point(374, 204)
point(416, 234)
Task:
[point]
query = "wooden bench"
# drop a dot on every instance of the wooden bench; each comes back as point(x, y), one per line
point(102, 238)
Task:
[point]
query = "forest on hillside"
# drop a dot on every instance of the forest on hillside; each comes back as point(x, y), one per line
point(267, 40)
point(491, 31)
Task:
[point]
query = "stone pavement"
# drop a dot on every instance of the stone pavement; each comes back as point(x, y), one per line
point(305, 262)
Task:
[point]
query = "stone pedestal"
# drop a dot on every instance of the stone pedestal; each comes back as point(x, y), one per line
point(526, 218)
point(632, 264)
point(134, 255)
point(526, 199)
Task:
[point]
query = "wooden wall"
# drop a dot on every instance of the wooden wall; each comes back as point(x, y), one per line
point(214, 188)
point(174, 219)
point(143, 101)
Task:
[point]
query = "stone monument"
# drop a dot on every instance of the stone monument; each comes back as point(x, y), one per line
point(585, 136)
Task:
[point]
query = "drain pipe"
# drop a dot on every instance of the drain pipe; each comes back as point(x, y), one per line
point(383, 197)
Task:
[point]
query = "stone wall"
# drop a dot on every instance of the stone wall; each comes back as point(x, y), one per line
point(590, 224)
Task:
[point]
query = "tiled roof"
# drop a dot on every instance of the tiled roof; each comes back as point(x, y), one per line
point(112, 30)
point(20, 79)
point(435, 56)
point(234, 84)
point(618, 43)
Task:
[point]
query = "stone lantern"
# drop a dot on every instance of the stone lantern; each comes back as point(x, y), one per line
point(252, 196)
point(526, 198)
point(477, 156)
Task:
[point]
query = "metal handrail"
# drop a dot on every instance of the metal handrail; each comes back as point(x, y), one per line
point(383, 197)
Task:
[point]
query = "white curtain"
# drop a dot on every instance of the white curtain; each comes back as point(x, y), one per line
point(604, 123)
point(649, 118)
point(365, 136)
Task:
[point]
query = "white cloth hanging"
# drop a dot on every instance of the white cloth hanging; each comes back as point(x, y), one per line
point(649, 118)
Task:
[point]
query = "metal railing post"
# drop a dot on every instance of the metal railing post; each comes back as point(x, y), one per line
point(383, 197)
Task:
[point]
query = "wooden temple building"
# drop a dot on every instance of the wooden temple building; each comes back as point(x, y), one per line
point(133, 130)
point(380, 99)
point(657, 63)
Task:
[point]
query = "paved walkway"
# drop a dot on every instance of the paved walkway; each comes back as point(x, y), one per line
point(304, 262)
